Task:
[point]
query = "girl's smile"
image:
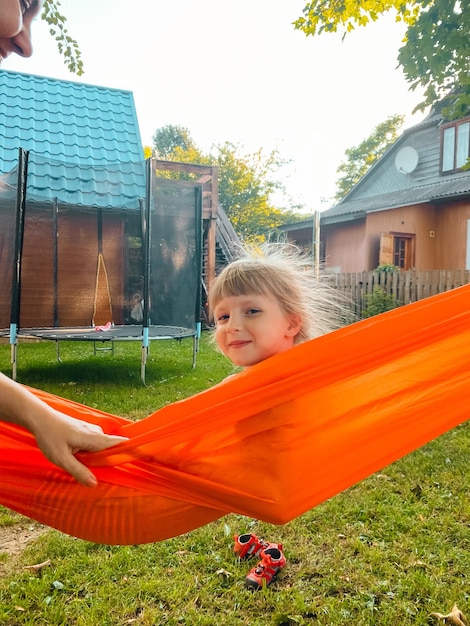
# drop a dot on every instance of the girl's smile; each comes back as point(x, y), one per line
point(251, 328)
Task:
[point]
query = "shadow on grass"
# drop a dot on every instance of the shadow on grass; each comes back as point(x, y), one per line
point(81, 371)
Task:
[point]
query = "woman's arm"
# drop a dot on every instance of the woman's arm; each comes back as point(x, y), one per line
point(58, 436)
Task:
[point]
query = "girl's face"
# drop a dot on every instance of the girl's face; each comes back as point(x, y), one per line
point(15, 26)
point(251, 328)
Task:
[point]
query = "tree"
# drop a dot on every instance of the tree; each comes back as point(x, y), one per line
point(67, 46)
point(436, 54)
point(246, 181)
point(245, 186)
point(174, 143)
point(168, 138)
point(359, 159)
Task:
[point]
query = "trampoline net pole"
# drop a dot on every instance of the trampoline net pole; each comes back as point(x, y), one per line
point(55, 261)
point(19, 238)
point(14, 351)
point(146, 233)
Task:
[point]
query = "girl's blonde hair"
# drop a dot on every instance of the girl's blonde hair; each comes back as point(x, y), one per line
point(287, 274)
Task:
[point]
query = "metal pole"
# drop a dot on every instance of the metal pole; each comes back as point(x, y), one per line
point(55, 278)
point(19, 238)
point(146, 242)
point(316, 242)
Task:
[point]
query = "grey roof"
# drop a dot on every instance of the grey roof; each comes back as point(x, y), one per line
point(432, 193)
point(385, 186)
point(307, 223)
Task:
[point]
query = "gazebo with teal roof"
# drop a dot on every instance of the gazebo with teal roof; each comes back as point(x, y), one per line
point(90, 237)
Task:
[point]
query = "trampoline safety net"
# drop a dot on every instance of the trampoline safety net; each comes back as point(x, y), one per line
point(173, 229)
point(80, 249)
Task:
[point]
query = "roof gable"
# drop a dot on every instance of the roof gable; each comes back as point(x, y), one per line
point(387, 185)
point(85, 140)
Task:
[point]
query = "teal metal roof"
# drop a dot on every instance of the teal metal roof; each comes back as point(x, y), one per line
point(84, 140)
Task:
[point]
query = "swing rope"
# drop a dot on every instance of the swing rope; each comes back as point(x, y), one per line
point(102, 306)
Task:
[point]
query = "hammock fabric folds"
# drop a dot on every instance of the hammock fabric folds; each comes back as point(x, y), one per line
point(270, 443)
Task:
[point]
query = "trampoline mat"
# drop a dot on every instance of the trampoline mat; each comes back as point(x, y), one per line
point(114, 333)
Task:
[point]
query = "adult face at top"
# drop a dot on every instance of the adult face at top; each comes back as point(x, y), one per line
point(16, 17)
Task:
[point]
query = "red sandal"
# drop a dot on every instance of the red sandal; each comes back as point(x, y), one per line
point(272, 561)
point(248, 545)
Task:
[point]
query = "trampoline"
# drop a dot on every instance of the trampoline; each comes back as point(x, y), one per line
point(103, 340)
point(98, 272)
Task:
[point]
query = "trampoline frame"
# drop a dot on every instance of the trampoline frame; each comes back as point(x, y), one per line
point(127, 332)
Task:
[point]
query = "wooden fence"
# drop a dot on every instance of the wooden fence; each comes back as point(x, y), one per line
point(404, 286)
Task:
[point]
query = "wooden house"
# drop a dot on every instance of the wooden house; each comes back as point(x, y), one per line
point(411, 209)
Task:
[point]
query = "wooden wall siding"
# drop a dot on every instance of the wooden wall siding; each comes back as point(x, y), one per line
point(78, 263)
point(77, 272)
point(425, 139)
point(114, 265)
point(405, 286)
point(37, 297)
point(7, 254)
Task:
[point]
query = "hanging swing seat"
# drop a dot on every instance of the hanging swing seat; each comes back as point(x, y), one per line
point(270, 443)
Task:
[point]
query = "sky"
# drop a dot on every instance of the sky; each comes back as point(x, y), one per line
point(240, 72)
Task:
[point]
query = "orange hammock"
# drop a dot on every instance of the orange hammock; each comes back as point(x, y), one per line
point(271, 443)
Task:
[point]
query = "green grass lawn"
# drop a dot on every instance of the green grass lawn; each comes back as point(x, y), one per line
point(387, 552)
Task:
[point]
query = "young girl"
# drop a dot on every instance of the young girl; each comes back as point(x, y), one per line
point(264, 303)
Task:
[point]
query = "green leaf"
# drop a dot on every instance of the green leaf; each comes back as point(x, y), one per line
point(67, 46)
point(436, 52)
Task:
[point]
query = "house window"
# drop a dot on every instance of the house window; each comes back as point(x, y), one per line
point(402, 252)
point(397, 249)
point(455, 146)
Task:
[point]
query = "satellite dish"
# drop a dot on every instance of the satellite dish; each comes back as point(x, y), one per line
point(406, 160)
